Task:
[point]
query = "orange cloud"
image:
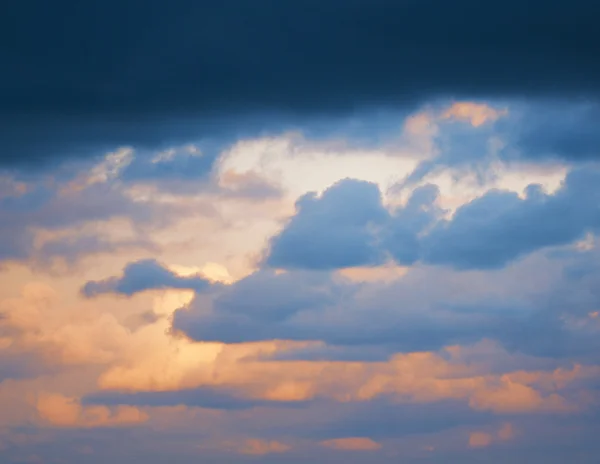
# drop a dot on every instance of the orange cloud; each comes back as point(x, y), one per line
point(414, 377)
point(476, 114)
point(386, 273)
point(511, 397)
point(262, 447)
point(506, 432)
point(63, 411)
point(352, 444)
point(480, 440)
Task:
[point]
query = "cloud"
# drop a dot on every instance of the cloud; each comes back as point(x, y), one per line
point(333, 230)
point(348, 226)
point(203, 397)
point(144, 275)
point(532, 306)
point(179, 75)
point(479, 440)
point(482, 439)
point(174, 164)
point(477, 114)
point(257, 447)
point(552, 132)
point(48, 220)
point(62, 411)
point(352, 444)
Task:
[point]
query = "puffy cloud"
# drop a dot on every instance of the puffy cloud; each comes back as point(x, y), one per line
point(332, 231)
point(144, 275)
point(348, 227)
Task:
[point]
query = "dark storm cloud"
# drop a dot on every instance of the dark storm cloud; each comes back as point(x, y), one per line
point(139, 276)
point(81, 77)
point(564, 132)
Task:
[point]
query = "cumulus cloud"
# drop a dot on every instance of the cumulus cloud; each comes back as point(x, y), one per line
point(348, 226)
point(333, 230)
point(144, 275)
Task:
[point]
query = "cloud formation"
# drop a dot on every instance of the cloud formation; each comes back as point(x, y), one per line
point(193, 69)
point(414, 288)
point(348, 226)
point(141, 276)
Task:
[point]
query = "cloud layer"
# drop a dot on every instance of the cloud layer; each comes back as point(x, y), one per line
point(423, 290)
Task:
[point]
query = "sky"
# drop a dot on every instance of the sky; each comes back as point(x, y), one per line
point(359, 231)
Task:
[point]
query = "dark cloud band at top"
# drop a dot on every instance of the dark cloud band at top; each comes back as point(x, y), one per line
point(213, 60)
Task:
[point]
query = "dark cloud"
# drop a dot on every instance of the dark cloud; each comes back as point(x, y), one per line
point(178, 165)
point(179, 69)
point(562, 132)
point(147, 274)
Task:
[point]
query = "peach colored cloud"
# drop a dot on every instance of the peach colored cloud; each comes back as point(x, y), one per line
point(414, 377)
point(479, 439)
point(352, 444)
point(387, 273)
point(506, 432)
point(148, 358)
point(249, 446)
point(261, 447)
point(63, 411)
point(476, 114)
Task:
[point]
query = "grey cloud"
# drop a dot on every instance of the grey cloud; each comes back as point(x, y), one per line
point(203, 397)
point(332, 231)
point(489, 232)
point(144, 275)
point(534, 306)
